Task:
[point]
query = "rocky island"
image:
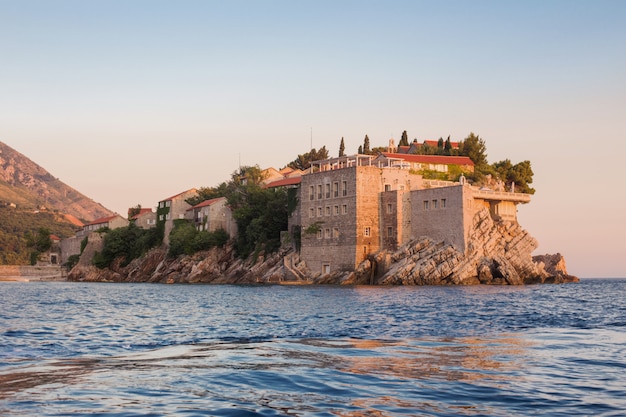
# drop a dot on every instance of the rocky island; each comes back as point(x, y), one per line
point(500, 254)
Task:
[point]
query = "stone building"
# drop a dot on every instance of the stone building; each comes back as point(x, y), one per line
point(173, 208)
point(354, 206)
point(111, 222)
point(340, 214)
point(145, 218)
point(214, 214)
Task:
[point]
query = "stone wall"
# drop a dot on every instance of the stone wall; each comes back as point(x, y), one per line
point(443, 214)
point(23, 272)
point(349, 226)
point(70, 246)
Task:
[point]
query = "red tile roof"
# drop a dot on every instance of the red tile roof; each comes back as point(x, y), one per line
point(193, 190)
point(284, 182)
point(432, 159)
point(207, 203)
point(435, 143)
point(141, 211)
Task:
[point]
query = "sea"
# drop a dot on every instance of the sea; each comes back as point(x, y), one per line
point(95, 349)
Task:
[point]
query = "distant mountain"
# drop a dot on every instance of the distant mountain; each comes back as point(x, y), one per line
point(28, 185)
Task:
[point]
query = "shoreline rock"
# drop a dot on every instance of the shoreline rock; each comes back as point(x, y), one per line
point(498, 253)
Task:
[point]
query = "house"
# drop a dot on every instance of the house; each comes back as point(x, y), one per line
point(214, 214)
point(340, 209)
point(352, 207)
point(271, 175)
point(111, 222)
point(144, 218)
point(173, 208)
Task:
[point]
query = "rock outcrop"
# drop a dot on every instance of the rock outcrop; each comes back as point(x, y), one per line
point(498, 253)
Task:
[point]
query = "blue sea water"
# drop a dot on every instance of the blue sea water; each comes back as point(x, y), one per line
point(157, 350)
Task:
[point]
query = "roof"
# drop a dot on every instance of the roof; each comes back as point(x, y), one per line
point(141, 212)
point(431, 159)
point(54, 237)
point(284, 182)
point(206, 203)
point(102, 220)
point(435, 143)
point(192, 190)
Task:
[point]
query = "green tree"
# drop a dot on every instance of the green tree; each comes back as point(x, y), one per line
point(208, 193)
point(342, 148)
point(440, 146)
point(360, 151)
point(448, 146)
point(520, 174)
point(41, 242)
point(474, 148)
point(133, 211)
point(126, 243)
point(404, 141)
point(366, 145)
point(303, 162)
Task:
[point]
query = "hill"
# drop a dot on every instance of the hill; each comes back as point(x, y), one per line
point(32, 199)
point(29, 186)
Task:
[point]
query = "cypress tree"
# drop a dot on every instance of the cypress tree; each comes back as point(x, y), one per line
point(366, 145)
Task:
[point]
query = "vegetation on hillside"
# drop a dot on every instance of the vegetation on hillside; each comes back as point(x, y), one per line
point(261, 213)
point(127, 243)
point(17, 226)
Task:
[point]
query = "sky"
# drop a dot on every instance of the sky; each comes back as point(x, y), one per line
point(131, 102)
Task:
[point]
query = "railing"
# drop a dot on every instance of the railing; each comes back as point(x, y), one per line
point(502, 195)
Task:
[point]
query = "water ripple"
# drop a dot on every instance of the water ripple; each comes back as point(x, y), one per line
point(147, 350)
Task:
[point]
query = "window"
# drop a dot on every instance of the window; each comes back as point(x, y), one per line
point(387, 187)
point(443, 203)
point(311, 212)
point(435, 204)
point(311, 193)
point(367, 232)
point(161, 204)
point(328, 210)
point(335, 189)
point(160, 217)
point(389, 208)
point(389, 231)
point(319, 234)
point(168, 203)
point(319, 191)
point(344, 186)
point(326, 269)
point(319, 212)
point(167, 216)
point(425, 204)
point(327, 233)
point(327, 190)
point(336, 212)
point(344, 209)
point(335, 232)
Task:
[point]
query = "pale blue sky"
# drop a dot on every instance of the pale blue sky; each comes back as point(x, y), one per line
point(133, 101)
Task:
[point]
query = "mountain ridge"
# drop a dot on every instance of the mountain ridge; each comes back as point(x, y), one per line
point(27, 184)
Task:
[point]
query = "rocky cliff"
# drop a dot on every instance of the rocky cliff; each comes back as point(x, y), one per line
point(498, 253)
